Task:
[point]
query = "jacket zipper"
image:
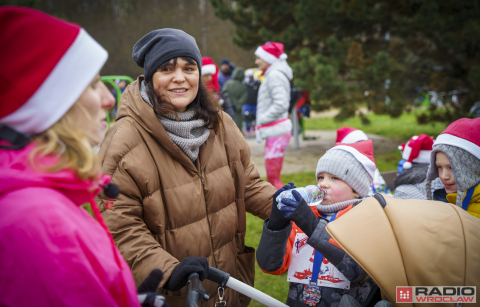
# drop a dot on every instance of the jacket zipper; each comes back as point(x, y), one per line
point(201, 178)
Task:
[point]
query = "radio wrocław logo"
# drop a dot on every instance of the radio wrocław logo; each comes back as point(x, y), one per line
point(437, 294)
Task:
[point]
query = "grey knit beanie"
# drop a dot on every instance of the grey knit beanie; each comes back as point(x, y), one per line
point(162, 45)
point(465, 167)
point(345, 166)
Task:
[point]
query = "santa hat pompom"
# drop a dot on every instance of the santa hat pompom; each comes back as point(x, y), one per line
point(407, 165)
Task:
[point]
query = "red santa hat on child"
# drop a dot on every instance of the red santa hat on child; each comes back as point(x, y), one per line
point(349, 135)
point(208, 66)
point(463, 133)
point(46, 64)
point(271, 52)
point(460, 142)
point(417, 149)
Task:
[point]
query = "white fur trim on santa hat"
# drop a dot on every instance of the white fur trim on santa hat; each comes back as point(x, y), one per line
point(209, 69)
point(61, 89)
point(369, 165)
point(423, 155)
point(268, 57)
point(452, 140)
point(354, 136)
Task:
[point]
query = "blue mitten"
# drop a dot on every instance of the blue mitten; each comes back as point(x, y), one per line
point(277, 220)
point(300, 213)
point(290, 204)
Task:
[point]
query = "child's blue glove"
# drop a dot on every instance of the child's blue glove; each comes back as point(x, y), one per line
point(300, 213)
point(277, 220)
point(290, 204)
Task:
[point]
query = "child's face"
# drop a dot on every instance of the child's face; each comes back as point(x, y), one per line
point(445, 172)
point(337, 189)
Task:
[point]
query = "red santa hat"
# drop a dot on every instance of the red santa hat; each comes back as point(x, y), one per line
point(417, 149)
point(271, 52)
point(463, 133)
point(208, 66)
point(349, 135)
point(211, 68)
point(46, 64)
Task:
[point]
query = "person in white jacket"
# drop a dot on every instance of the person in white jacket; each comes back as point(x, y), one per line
point(273, 101)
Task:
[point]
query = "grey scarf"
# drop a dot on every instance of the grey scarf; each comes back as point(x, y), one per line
point(187, 133)
point(336, 207)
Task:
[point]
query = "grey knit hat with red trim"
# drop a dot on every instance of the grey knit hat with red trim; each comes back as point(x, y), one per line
point(353, 163)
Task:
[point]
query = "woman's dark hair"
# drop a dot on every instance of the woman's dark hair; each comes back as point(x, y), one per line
point(206, 107)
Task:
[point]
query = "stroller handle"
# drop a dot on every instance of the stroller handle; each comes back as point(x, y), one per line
point(224, 280)
point(196, 292)
point(218, 276)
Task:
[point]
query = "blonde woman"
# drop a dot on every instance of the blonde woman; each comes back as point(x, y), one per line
point(52, 111)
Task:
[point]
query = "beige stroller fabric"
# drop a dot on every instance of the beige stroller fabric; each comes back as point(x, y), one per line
point(411, 243)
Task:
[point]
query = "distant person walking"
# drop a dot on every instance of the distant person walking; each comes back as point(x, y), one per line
point(237, 94)
point(272, 119)
point(250, 107)
point(226, 70)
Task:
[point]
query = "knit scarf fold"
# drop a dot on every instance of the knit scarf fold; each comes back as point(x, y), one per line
point(187, 133)
point(335, 207)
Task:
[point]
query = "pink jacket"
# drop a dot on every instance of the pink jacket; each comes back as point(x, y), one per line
point(52, 252)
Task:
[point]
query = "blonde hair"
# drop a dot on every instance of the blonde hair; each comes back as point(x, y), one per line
point(71, 144)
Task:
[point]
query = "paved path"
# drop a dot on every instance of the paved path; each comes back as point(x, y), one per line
point(305, 158)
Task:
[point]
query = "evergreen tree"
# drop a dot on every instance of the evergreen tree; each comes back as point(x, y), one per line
point(347, 52)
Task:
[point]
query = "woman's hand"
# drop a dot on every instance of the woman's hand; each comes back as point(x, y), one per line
point(277, 221)
point(189, 265)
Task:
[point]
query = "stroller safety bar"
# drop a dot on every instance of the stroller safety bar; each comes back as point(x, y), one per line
point(225, 280)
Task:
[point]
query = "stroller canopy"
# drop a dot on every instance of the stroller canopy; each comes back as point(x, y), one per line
point(411, 243)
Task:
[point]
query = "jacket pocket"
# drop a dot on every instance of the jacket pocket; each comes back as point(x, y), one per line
point(246, 271)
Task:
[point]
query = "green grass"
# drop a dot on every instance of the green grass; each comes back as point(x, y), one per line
point(402, 128)
point(388, 161)
point(277, 286)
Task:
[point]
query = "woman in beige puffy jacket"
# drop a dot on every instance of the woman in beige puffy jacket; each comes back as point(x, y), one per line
point(185, 174)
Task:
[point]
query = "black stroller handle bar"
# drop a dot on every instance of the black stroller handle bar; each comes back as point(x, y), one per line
point(218, 276)
point(196, 291)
